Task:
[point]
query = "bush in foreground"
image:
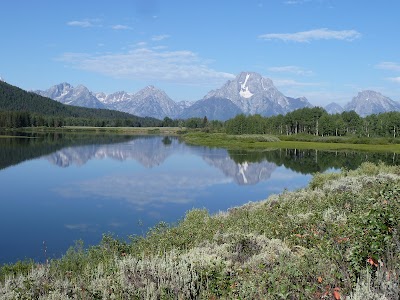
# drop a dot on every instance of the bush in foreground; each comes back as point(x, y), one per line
point(339, 236)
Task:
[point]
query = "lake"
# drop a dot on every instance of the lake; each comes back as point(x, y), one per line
point(57, 189)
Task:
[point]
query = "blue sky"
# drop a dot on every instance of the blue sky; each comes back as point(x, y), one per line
point(325, 50)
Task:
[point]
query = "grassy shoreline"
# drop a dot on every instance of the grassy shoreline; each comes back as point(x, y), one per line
point(127, 130)
point(232, 142)
point(16, 137)
point(173, 131)
point(307, 244)
point(267, 142)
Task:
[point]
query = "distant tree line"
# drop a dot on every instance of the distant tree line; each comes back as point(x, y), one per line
point(316, 121)
point(194, 123)
point(309, 121)
point(17, 119)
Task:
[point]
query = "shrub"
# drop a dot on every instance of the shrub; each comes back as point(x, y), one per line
point(383, 284)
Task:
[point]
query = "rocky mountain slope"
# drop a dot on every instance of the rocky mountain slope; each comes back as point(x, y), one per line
point(149, 101)
point(334, 108)
point(214, 108)
point(370, 102)
point(77, 96)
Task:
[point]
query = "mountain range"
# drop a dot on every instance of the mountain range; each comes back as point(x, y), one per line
point(248, 93)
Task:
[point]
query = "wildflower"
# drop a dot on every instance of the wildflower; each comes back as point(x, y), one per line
point(336, 293)
point(372, 262)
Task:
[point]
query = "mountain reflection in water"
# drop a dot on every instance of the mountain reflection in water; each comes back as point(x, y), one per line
point(152, 152)
point(244, 167)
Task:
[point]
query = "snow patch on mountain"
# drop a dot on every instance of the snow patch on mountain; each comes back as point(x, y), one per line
point(114, 98)
point(244, 90)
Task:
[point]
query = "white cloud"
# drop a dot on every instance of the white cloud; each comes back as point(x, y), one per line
point(141, 44)
point(291, 69)
point(294, 2)
point(394, 79)
point(144, 63)
point(84, 23)
point(121, 27)
point(388, 65)
point(327, 3)
point(159, 47)
point(291, 82)
point(315, 34)
point(161, 37)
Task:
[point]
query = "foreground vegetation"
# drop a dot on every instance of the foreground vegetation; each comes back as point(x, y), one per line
point(338, 237)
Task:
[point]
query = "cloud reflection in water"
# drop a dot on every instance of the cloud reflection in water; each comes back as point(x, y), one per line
point(141, 190)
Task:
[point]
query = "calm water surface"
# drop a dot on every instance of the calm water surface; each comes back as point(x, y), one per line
point(59, 189)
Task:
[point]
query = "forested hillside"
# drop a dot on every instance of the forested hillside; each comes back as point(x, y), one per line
point(19, 108)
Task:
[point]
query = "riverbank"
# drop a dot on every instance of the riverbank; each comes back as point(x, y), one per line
point(302, 142)
point(232, 142)
point(112, 130)
point(305, 244)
